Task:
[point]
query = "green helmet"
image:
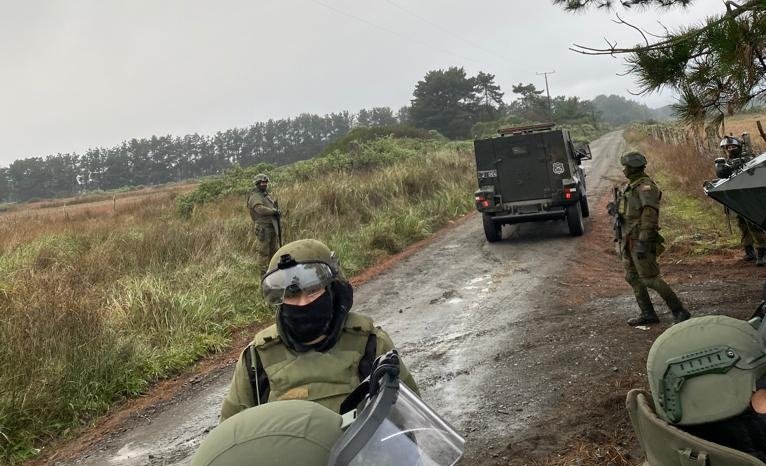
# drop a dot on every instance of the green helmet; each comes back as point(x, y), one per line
point(705, 369)
point(633, 159)
point(302, 266)
point(260, 177)
point(295, 432)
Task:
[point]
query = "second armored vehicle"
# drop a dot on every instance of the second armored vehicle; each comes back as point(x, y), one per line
point(528, 174)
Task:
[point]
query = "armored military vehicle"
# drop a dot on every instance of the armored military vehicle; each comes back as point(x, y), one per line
point(744, 191)
point(529, 174)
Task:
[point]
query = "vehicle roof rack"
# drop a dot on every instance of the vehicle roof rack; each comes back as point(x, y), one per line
point(526, 129)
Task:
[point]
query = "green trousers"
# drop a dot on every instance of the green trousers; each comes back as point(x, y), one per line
point(267, 243)
point(642, 274)
point(751, 234)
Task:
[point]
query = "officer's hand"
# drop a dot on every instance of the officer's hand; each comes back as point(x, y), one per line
point(640, 249)
point(277, 213)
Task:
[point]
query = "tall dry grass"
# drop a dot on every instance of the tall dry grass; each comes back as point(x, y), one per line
point(96, 306)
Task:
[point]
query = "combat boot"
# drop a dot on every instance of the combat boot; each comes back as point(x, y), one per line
point(644, 319)
point(680, 315)
point(749, 254)
point(761, 259)
point(648, 315)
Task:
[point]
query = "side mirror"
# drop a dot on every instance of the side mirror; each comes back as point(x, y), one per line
point(583, 152)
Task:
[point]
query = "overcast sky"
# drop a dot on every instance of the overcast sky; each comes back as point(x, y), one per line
point(85, 73)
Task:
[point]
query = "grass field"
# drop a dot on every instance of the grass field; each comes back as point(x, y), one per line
point(97, 304)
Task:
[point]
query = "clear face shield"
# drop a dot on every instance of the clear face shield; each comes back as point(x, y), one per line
point(299, 279)
point(395, 427)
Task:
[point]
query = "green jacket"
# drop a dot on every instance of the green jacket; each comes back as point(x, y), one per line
point(324, 377)
point(262, 207)
point(639, 211)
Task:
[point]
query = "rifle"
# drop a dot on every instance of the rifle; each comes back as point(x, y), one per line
point(614, 211)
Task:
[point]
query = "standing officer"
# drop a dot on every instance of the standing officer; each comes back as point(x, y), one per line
point(753, 239)
point(638, 210)
point(266, 216)
point(317, 350)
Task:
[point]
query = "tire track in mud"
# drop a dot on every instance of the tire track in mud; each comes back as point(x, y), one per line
point(459, 310)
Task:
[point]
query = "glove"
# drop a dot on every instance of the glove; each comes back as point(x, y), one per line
point(641, 249)
point(277, 213)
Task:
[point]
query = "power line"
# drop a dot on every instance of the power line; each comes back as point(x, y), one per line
point(391, 31)
point(447, 31)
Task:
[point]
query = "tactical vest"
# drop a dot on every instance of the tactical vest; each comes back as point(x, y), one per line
point(324, 377)
point(257, 197)
point(631, 205)
point(666, 445)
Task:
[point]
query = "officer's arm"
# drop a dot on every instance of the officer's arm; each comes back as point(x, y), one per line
point(385, 344)
point(262, 209)
point(240, 396)
point(650, 211)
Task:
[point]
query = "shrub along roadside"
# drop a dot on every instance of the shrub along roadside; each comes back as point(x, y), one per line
point(95, 311)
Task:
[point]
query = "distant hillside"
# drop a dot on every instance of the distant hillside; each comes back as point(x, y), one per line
point(618, 110)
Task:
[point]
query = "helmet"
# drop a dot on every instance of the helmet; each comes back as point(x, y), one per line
point(303, 266)
point(730, 141)
point(705, 369)
point(633, 159)
point(260, 177)
point(303, 431)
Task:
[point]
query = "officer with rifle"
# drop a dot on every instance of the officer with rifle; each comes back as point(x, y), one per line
point(636, 210)
point(753, 239)
point(267, 220)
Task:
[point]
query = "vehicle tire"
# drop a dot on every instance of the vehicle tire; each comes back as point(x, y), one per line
point(584, 207)
point(574, 219)
point(492, 230)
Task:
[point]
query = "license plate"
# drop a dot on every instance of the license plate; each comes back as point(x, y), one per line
point(487, 174)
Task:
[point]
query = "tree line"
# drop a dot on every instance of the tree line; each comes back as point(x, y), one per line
point(448, 101)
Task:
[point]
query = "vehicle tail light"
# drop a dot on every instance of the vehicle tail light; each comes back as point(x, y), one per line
point(568, 195)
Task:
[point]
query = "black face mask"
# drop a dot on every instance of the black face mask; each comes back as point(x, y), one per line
point(309, 322)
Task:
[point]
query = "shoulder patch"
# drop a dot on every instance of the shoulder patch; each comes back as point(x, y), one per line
point(646, 187)
point(359, 323)
point(266, 336)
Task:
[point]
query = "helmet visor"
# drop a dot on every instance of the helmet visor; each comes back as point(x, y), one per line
point(300, 279)
point(411, 435)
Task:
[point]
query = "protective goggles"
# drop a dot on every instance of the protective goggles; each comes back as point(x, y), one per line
point(395, 427)
point(304, 278)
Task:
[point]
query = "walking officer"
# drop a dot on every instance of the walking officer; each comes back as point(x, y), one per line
point(637, 209)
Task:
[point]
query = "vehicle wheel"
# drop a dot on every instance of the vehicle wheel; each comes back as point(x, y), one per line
point(492, 230)
point(574, 219)
point(584, 207)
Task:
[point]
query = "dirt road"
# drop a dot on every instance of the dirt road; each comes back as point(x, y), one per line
point(460, 311)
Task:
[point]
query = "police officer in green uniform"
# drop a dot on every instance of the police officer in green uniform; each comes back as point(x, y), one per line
point(317, 350)
point(752, 239)
point(266, 216)
point(641, 243)
point(708, 395)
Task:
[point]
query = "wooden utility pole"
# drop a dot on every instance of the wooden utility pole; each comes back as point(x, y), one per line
point(547, 92)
